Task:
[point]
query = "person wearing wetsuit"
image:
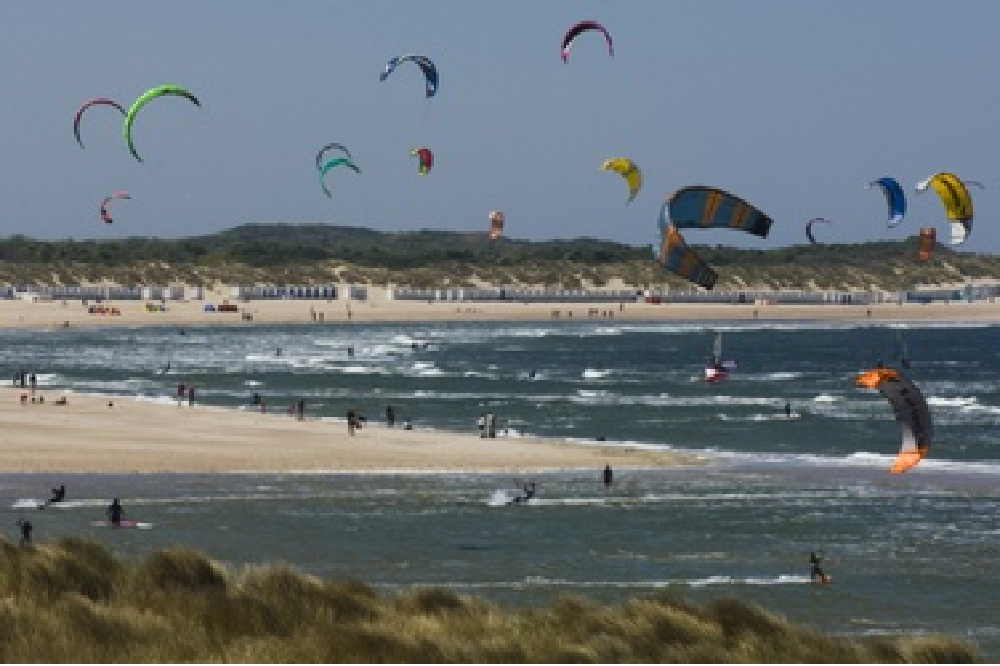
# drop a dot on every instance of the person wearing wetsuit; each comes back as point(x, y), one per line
point(115, 512)
point(26, 528)
point(608, 476)
point(816, 572)
point(788, 410)
point(58, 495)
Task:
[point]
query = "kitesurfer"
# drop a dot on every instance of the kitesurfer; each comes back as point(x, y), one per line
point(788, 410)
point(58, 495)
point(608, 477)
point(26, 528)
point(115, 512)
point(816, 573)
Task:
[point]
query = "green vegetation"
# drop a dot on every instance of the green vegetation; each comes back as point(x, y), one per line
point(72, 601)
point(279, 254)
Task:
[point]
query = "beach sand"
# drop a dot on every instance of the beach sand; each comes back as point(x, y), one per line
point(135, 436)
point(73, 314)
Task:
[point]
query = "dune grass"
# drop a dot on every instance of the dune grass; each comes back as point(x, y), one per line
point(71, 601)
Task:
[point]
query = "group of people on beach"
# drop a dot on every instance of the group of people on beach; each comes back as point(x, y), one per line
point(487, 423)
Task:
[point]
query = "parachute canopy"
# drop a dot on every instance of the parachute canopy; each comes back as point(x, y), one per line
point(894, 198)
point(146, 98)
point(628, 170)
point(328, 147)
point(496, 225)
point(809, 225)
point(336, 162)
point(956, 201)
point(926, 243)
point(700, 207)
point(425, 64)
point(425, 160)
point(911, 411)
point(105, 215)
point(580, 28)
point(97, 101)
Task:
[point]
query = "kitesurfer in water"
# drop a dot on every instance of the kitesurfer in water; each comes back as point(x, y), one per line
point(608, 477)
point(115, 511)
point(788, 410)
point(816, 573)
point(58, 495)
point(26, 528)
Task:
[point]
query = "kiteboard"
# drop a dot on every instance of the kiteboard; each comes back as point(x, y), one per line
point(823, 580)
point(123, 524)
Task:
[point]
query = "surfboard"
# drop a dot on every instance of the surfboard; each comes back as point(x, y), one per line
point(123, 524)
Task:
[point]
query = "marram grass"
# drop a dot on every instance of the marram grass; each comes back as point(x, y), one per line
point(72, 601)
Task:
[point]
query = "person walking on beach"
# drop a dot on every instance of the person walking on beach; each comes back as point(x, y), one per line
point(482, 425)
point(608, 477)
point(181, 389)
point(115, 511)
point(26, 528)
point(191, 396)
point(491, 425)
point(390, 416)
point(34, 383)
point(352, 422)
point(301, 409)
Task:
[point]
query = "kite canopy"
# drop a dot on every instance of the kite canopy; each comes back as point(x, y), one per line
point(700, 207)
point(926, 243)
point(496, 225)
point(102, 101)
point(580, 28)
point(105, 215)
point(956, 200)
point(146, 98)
point(910, 409)
point(426, 66)
point(895, 199)
point(628, 170)
point(809, 225)
point(328, 147)
point(336, 162)
point(425, 160)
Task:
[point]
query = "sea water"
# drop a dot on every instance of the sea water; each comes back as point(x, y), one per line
point(912, 553)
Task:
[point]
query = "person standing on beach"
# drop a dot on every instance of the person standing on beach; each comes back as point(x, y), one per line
point(608, 477)
point(181, 389)
point(482, 425)
point(34, 382)
point(302, 409)
point(191, 396)
point(352, 422)
point(390, 416)
point(491, 425)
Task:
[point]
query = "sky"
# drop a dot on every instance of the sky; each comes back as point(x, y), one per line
point(794, 106)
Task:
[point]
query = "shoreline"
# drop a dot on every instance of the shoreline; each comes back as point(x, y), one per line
point(49, 315)
point(136, 436)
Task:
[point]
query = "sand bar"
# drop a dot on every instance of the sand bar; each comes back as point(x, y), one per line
point(73, 314)
point(135, 436)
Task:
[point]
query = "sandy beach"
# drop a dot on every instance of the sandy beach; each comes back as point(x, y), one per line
point(73, 314)
point(94, 434)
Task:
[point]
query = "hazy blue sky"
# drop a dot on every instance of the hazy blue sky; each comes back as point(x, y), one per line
point(791, 104)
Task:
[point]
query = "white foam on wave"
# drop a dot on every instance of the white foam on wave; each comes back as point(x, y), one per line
point(826, 397)
point(591, 373)
point(936, 401)
point(542, 581)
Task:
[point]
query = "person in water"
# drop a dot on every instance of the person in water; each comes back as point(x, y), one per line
point(115, 511)
point(609, 477)
point(26, 528)
point(816, 572)
point(788, 409)
point(58, 495)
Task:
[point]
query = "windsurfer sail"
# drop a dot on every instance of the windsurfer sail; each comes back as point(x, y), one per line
point(717, 368)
